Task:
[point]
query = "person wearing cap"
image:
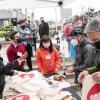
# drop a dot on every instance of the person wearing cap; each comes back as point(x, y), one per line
point(27, 35)
point(93, 32)
point(6, 69)
point(84, 56)
point(15, 50)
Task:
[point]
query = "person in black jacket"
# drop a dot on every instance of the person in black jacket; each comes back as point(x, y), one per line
point(93, 32)
point(6, 69)
point(85, 52)
point(43, 28)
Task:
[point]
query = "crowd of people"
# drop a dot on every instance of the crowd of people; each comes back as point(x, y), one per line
point(20, 50)
point(86, 39)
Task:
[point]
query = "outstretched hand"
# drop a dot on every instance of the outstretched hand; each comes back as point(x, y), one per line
point(82, 76)
point(96, 76)
point(24, 56)
point(20, 60)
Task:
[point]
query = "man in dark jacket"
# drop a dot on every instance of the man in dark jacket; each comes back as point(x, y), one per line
point(6, 69)
point(93, 33)
point(85, 52)
point(43, 28)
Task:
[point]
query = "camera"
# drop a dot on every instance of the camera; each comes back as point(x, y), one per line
point(19, 40)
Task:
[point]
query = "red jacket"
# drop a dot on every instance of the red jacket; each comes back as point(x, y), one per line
point(12, 52)
point(46, 61)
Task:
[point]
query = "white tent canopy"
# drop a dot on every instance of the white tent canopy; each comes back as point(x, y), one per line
point(17, 4)
point(8, 4)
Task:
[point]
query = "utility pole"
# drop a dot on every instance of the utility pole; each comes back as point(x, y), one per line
point(26, 16)
point(56, 19)
point(61, 14)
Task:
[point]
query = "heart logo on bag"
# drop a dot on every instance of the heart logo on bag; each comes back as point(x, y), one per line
point(94, 93)
point(21, 97)
point(31, 75)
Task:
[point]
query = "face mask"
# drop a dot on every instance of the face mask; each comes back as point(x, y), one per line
point(47, 45)
point(0, 46)
point(74, 42)
point(97, 44)
point(19, 40)
point(23, 27)
point(42, 21)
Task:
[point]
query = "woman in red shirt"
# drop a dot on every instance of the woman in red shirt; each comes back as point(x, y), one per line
point(47, 57)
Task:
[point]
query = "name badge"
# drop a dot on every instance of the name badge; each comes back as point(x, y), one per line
point(48, 57)
point(19, 54)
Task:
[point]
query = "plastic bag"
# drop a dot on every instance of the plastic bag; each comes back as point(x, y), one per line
point(91, 89)
point(64, 48)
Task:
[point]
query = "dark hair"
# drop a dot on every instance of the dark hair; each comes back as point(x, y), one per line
point(12, 34)
point(0, 46)
point(41, 17)
point(46, 38)
point(21, 21)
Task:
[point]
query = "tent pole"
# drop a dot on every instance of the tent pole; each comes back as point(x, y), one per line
point(33, 15)
point(61, 14)
point(26, 14)
point(56, 20)
point(17, 14)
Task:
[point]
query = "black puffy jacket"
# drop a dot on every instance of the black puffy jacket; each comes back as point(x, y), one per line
point(43, 29)
point(96, 66)
point(5, 69)
point(85, 56)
